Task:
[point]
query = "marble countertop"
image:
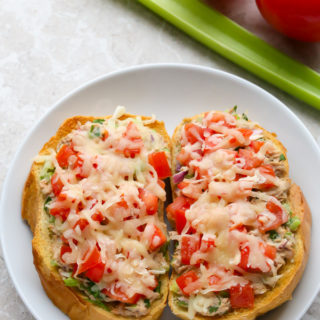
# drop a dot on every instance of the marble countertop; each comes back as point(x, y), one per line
point(50, 47)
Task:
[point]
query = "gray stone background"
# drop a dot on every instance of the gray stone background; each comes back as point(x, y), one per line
point(49, 47)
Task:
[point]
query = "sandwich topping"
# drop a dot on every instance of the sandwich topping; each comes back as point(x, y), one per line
point(102, 189)
point(234, 226)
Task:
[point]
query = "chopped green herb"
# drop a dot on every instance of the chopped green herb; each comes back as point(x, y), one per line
point(52, 219)
point(45, 206)
point(158, 287)
point(288, 234)
point(101, 121)
point(234, 109)
point(189, 176)
point(164, 248)
point(182, 304)
point(237, 116)
point(294, 223)
point(273, 234)
point(94, 132)
point(71, 282)
point(224, 294)
point(147, 303)
point(244, 116)
point(282, 157)
point(212, 309)
point(99, 304)
point(47, 171)
point(54, 263)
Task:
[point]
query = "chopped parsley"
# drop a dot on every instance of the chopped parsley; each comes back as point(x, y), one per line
point(99, 304)
point(71, 282)
point(234, 109)
point(45, 206)
point(282, 157)
point(101, 121)
point(94, 132)
point(182, 304)
point(158, 287)
point(212, 309)
point(244, 116)
point(273, 234)
point(147, 303)
point(224, 294)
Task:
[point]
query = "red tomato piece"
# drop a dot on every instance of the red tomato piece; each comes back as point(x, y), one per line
point(60, 212)
point(150, 200)
point(118, 295)
point(270, 251)
point(278, 212)
point(256, 145)
point(132, 133)
point(246, 132)
point(267, 170)
point(186, 279)
point(182, 185)
point(214, 279)
point(56, 184)
point(98, 216)
point(297, 19)
point(251, 161)
point(189, 245)
point(95, 274)
point(105, 135)
point(82, 223)
point(91, 259)
point(207, 244)
point(157, 240)
point(160, 163)
point(245, 252)
point(219, 117)
point(193, 132)
point(242, 296)
point(63, 155)
point(64, 249)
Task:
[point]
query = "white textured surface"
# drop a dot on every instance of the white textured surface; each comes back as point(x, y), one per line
point(49, 47)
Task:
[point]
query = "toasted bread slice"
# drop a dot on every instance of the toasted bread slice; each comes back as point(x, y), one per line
point(71, 301)
point(291, 272)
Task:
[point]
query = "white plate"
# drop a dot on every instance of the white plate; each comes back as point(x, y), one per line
point(172, 92)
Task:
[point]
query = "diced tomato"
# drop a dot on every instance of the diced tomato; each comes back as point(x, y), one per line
point(60, 212)
point(95, 273)
point(267, 170)
point(182, 185)
point(193, 132)
point(56, 184)
point(161, 184)
point(150, 200)
point(256, 145)
point(119, 295)
point(251, 161)
point(63, 155)
point(242, 296)
point(105, 135)
point(160, 163)
point(157, 240)
point(219, 117)
point(189, 245)
point(176, 211)
point(132, 133)
point(270, 251)
point(214, 279)
point(141, 227)
point(91, 259)
point(207, 244)
point(82, 223)
point(98, 216)
point(64, 249)
point(246, 132)
point(245, 251)
point(186, 279)
point(278, 212)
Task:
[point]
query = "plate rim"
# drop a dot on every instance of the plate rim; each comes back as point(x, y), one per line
point(116, 73)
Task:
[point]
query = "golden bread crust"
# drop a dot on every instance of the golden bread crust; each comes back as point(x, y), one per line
point(291, 271)
point(69, 300)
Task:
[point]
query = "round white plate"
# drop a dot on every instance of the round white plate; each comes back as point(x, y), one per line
point(171, 92)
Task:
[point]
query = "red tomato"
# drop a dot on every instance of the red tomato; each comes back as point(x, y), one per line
point(267, 170)
point(251, 161)
point(297, 19)
point(60, 212)
point(105, 135)
point(82, 223)
point(63, 250)
point(214, 279)
point(278, 212)
point(193, 132)
point(182, 185)
point(90, 260)
point(189, 245)
point(160, 163)
point(150, 201)
point(95, 274)
point(270, 251)
point(98, 216)
point(119, 295)
point(207, 244)
point(246, 132)
point(219, 117)
point(184, 280)
point(132, 133)
point(242, 296)
point(63, 155)
point(157, 240)
point(256, 145)
point(56, 184)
